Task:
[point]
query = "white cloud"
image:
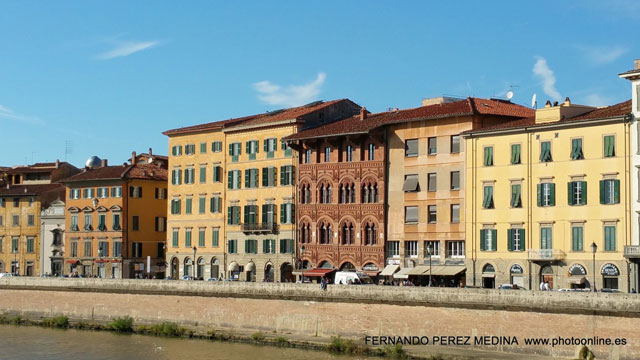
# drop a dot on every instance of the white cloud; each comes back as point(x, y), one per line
point(290, 95)
point(8, 114)
point(597, 100)
point(126, 48)
point(542, 71)
point(600, 55)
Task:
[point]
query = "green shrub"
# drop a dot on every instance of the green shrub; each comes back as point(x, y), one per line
point(258, 336)
point(339, 345)
point(166, 329)
point(16, 320)
point(395, 352)
point(586, 354)
point(122, 325)
point(281, 341)
point(60, 322)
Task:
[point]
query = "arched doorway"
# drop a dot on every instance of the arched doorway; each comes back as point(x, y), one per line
point(610, 274)
point(215, 268)
point(347, 267)
point(250, 271)
point(175, 268)
point(286, 273)
point(268, 273)
point(546, 275)
point(488, 277)
point(234, 271)
point(188, 266)
point(200, 268)
point(517, 275)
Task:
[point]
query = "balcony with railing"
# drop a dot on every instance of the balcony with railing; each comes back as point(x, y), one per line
point(546, 254)
point(632, 251)
point(267, 228)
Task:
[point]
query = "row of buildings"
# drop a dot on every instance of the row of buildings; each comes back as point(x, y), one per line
point(473, 191)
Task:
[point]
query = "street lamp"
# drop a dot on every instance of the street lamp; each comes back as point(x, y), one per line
point(194, 261)
point(430, 253)
point(594, 248)
point(301, 266)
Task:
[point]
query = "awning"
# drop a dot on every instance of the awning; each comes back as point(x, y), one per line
point(402, 274)
point(317, 272)
point(447, 270)
point(371, 272)
point(234, 266)
point(250, 267)
point(576, 280)
point(419, 270)
point(389, 270)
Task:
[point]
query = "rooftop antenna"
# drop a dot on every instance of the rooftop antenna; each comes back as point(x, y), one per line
point(68, 148)
point(534, 102)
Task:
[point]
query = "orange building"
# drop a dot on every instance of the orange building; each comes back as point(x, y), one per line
point(116, 219)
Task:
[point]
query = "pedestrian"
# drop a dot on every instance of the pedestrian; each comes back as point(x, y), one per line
point(546, 286)
point(542, 285)
point(323, 283)
point(633, 290)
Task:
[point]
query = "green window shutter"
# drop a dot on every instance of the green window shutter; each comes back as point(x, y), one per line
point(283, 246)
point(539, 194)
point(519, 196)
point(510, 239)
point(571, 185)
point(282, 173)
point(282, 213)
point(265, 209)
point(237, 214)
point(602, 191)
point(218, 173)
point(552, 194)
point(513, 154)
point(219, 208)
point(230, 179)
point(483, 236)
point(274, 175)
point(494, 239)
point(203, 174)
point(523, 240)
point(247, 178)
point(248, 147)
point(254, 177)
point(239, 179)
point(583, 188)
point(265, 177)
point(179, 177)
point(616, 191)
point(230, 215)
point(264, 246)
point(231, 149)
point(212, 204)
point(290, 241)
point(246, 214)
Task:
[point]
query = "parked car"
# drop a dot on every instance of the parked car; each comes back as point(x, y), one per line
point(609, 290)
point(5, 275)
point(352, 278)
point(187, 277)
point(212, 279)
point(510, 287)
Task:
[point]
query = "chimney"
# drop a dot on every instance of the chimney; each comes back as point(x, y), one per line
point(104, 162)
point(547, 104)
point(133, 158)
point(636, 64)
point(363, 113)
point(57, 163)
point(150, 151)
point(567, 101)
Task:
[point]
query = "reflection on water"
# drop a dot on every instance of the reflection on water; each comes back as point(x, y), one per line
point(30, 343)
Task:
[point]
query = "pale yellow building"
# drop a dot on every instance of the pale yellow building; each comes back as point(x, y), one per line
point(542, 191)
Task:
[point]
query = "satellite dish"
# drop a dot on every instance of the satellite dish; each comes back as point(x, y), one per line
point(509, 95)
point(533, 101)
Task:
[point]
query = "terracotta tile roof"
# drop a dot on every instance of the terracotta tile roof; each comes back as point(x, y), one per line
point(148, 172)
point(137, 171)
point(620, 109)
point(257, 119)
point(469, 106)
point(29, 190)
point(38, 168)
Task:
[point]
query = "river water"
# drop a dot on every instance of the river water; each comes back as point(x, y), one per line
point(35, 343)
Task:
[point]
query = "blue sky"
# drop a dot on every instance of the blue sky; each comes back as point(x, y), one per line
point(110, 76)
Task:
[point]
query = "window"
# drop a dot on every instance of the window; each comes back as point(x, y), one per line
point(268, 213)
point(161, 193)
point(117, 249)
point(136, 191)
point(269, 246)
point(327, 154)
point(455, 180)
point(252, 149)
point(610, 191)
point(103, 192)
point(102, 222)
point(393, 248)
point(516, 196)
point(203, 148)
point(515, 154)
point(488, 156)
point(189, 175)
point(16, 202)
point(136, 248)
point(190, 149)
point(251, 178)
point(201, 237)
point(176, 206)
point(116, 191)
point(546, 238)
point(269, 176)
point(287, 150)
point(349, 153)
point(73, 194)
point(235, 151)
point(411, 183)
point(325, 194)
point(609, 238)
point(251, 246)
point(305, 193)
point(455, 144)
point(577, 191)
point(203, 174)
point(433, 215)
point(15, 242)
point(411, 147)
point(135, 223)
point(487, 202)
point(215, 237)
point(232, 246)
point(488, 240)
point(176, 176)
point(87, 249)
point(270, 147)
point(455, 249)
point(215, 204)
point(369, 192)
point(234, 180)
point(31, 220)
point(369, 233)
point(188, 205)
point(411, 249)
point(3, 204)
point(88, 222)
point(455, 213)
point(433, 145)
point(86, 194)
point(103, 248)
point(371, 154)
point(547, 194)
point(15, 220)
point(576, 149)
point(347, 233)
point(432, 247)
point(74, 249)
point(609, 146)
point(286, 175)
point(286, 246)
point(30, 244)
point(325, 234)
point(176, 150)
point(410, 214)
point(432, 182)
point(577, 238)
point(74, 223)
point(175, 237)
point(187, 237)
point(233, 215)
point(516, 239)
point(216, 146)
point(545, 151)
point(217, 173)
point(287, 213)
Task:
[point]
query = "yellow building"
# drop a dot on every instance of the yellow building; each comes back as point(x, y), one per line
point(116, 220)
point(542, 192)
point(26, 192)
point(247, 229)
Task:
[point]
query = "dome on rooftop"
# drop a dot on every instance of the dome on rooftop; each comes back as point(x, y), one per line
point(93, 162)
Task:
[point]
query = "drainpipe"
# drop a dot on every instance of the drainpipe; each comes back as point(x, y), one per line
point(529, 205)
point(386, 196)
point(474, 211)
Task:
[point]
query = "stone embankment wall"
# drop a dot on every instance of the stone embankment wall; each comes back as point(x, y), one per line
point(350, 311)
